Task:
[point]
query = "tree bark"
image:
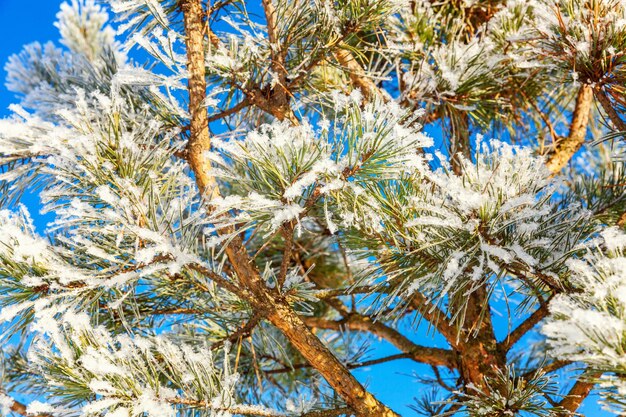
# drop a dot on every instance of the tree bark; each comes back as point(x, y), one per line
point(199, 139)
point(578, 130)
point(577, 394)
point(356, 74)
point(479, 355)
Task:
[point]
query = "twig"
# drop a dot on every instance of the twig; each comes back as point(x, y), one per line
point(243, 331)
point(577, 394)
point(357, 322)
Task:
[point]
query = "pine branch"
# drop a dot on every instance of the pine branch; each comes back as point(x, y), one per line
point(546, 369)
point(418, 302)
point(436, 317)
point(357, 322)
point(279, 95)
point(218, 279)
point(257, 411)
point(236, 108)
point(577, 394)
point(284, 266)
point(578, 130)
point(460, 146)
point(242, 332)
point(273, 307)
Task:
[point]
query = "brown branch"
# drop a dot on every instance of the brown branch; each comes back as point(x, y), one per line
point(418, 302)
point(199, 139)
point(19, 408)
point(274, 307)
point(315, 352)
point(270, 18)
point(551, 367)
point(349, 365)
point(555, 366)
point(524, 328)
point(622, 220)
point(278, 97)
point(356, 74)
point(435, 316)
point(604, 101)
point(218, 279)
point(578, 130)
point(328, 413)
point(237, 107)
point(523, 272)
point(357, 322)
point(577, 394)
point(284, 266)
point(460, 146)
point(243, 331)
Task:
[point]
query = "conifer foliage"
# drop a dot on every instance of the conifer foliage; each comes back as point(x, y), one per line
point(249, 199)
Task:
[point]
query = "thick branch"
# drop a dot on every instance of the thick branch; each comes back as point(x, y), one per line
point(357, 322)
point(578, 130)
point(315, 352)
point(273, 307)
point(199, 139)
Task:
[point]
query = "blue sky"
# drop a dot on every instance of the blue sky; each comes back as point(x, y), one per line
point(25, 21)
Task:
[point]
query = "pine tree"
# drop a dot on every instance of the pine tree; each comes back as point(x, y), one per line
point(247, 197)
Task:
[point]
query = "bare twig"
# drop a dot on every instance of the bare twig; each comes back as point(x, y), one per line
point(357, 322)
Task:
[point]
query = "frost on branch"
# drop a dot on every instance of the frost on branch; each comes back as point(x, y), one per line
point(127, 375)
point(511, 394)
point(583, 39)
point(125, 209)
point(281, 173)
point(47, 76)
point(447, 234)
point(589, 326)
point(83, 27)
